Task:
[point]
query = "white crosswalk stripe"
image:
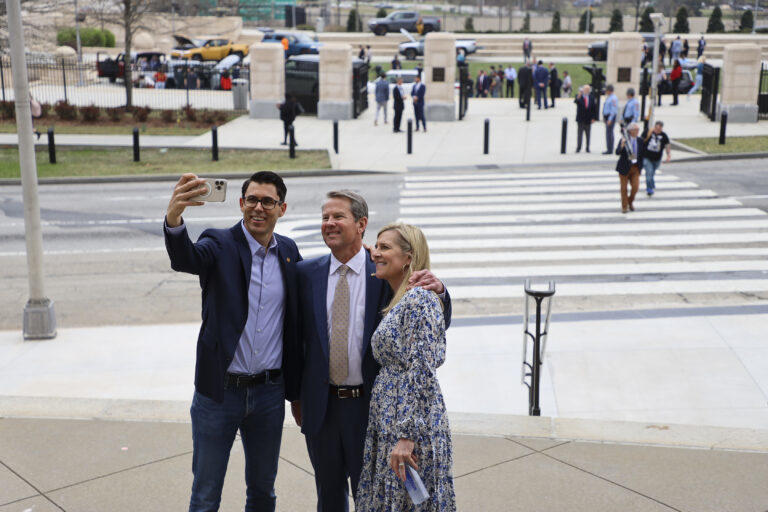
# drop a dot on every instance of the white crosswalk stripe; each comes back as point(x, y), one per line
point(488, 232)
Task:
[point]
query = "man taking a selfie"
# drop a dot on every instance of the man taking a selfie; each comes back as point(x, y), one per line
point(248, 353)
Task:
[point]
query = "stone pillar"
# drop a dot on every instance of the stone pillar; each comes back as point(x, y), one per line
point(439, 76)
point(740, 79)
point(335, 82)
point(623, 66)
point(267, 80)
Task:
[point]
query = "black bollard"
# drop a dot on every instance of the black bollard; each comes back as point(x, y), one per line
point(528, 109)
point(51, 147)
point(723, 123)
point(410, 136)
point(336, 137)
point(215, 143)
point(135, 144)
point(486, 136)
point(563, 135)
point(291, 143)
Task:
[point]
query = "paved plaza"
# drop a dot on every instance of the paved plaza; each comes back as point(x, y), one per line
point(654, 391)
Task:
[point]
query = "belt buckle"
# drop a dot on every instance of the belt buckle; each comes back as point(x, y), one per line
point(356, 393)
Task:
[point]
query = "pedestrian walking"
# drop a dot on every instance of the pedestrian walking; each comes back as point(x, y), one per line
point(630, 151)
point(541, 81)
point(686, 49)
point(700, 47)
point(586, 114)
point(675, 76)
point(289, 110)
point(662, 50)
point(567, 84)
point(610, 113)
point(510, 73)
point(554, 84)
point(656, 142)
point(699, 76)
point(527, 49)
point(381, 92)
point(417, 93)
point(398, 95)
point(631, 111)
point(396, 64)
point(525, 79)
point(677, 49)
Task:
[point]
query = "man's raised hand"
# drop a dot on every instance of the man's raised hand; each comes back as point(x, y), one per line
point(186, 188)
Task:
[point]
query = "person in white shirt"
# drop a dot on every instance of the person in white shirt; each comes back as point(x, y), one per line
point(510, 74)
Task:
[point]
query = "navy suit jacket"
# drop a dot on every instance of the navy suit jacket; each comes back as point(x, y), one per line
point(313, 288)
point(623, 165)
point(420, 95)
point(222, 260)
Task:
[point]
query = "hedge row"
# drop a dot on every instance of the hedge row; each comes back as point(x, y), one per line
point(89, 36)
point(90, 114)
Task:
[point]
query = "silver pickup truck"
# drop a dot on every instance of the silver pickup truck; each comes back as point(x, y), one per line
point(414, 48)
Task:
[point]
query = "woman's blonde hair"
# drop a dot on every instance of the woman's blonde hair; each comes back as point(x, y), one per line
point(412, 242)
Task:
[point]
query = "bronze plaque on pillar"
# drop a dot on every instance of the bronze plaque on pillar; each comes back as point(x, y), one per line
point(438, 74)
point(624, 75)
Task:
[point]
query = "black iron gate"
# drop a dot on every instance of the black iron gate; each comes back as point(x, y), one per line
point(359, 88)
point(762, 94)
point(710, 85)
point(465, 89)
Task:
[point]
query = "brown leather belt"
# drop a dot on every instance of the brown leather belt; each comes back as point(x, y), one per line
point(346, 391)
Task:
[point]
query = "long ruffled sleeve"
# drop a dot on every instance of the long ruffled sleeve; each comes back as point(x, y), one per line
point(423, 345)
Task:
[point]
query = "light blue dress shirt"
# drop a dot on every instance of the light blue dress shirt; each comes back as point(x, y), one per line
point(611, 108)
point(261, 343)
point(631, 111)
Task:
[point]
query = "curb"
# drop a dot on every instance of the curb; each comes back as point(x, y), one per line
point(496, 425)
point(143, 178)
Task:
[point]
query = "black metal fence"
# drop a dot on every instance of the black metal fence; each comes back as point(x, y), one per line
point(360, 89)
point(177, 85)
point(710, 85)
point(762, 95)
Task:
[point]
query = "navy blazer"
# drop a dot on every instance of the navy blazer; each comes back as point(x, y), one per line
point(623, 165)
point(420, 94)
point(313, 289)
point(222, 259)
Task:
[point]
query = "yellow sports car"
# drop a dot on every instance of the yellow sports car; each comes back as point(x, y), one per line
point(207, 49)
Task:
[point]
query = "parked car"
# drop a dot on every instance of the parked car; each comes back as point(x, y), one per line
point(302, 78)
point(115, 68)
point(209, 49)
point(299, 43)
point(685, 85)
point(414, 48)
point(407, 20)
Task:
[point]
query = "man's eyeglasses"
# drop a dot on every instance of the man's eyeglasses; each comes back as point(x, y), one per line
point(266, 202)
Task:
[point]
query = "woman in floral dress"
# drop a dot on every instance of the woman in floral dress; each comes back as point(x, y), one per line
point(407, 423)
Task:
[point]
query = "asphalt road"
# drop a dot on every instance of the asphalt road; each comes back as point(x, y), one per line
point(105, 261)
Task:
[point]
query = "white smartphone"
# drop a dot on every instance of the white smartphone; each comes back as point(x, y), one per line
point(216, 191)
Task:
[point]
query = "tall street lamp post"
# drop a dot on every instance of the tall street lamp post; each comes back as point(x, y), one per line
point(39, 316)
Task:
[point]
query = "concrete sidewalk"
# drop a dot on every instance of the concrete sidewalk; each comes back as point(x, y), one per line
point(49, 465)
point(513, 141)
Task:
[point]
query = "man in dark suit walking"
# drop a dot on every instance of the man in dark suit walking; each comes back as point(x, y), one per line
point(248, 351)
point(541, 82)
point(340, 304)
point(398, 95)
point(586, 114)
point(631, 152)
point(525, 80)
point(417, 93)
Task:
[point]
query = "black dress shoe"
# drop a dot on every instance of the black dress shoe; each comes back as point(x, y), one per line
point(283, 143)
point(607, 152)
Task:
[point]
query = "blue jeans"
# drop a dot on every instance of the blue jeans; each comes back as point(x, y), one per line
point(650, 167)
point(258, 412)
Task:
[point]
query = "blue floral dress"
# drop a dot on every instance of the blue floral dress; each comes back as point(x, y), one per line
point(406, 402)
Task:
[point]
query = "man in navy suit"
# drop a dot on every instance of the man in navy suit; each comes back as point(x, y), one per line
point(248, 351)
point(340, 303)
point(540, 82)
point(397, 97)
point(417, 93)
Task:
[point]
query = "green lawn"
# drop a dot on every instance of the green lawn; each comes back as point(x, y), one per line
point(117, 162)
point(732, 144)
point(578, 75)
